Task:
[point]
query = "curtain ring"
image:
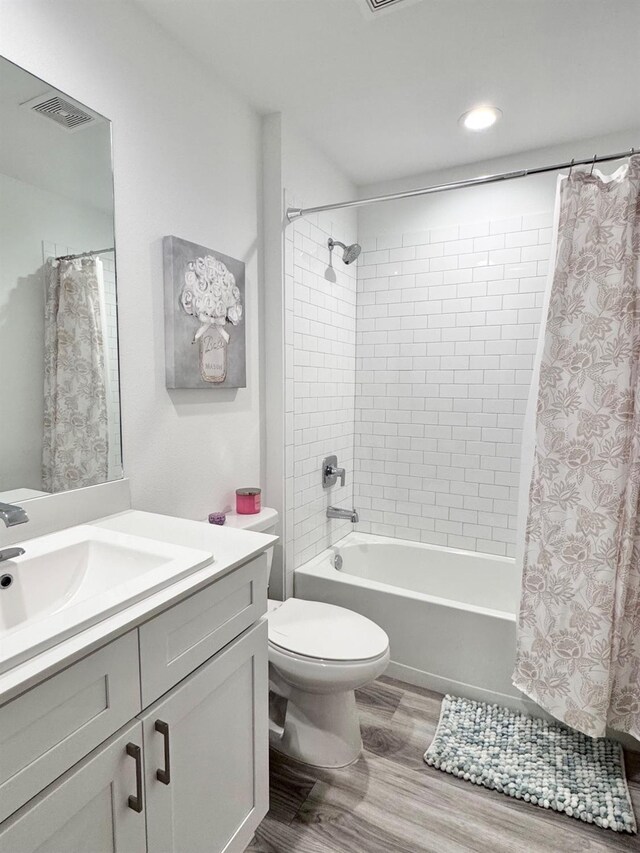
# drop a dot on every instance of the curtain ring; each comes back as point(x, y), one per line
point(573, 160)
point(593, 164)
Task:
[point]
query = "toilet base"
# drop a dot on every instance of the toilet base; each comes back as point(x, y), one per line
point(322, 730)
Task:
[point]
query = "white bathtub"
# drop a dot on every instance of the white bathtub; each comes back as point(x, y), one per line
point(450, 615)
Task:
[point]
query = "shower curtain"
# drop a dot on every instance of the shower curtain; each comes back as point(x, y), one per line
point(75, 441)
point(578, 647)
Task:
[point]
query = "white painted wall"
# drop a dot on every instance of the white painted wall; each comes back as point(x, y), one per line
point(187, 162)
point(30, 216)
point(272, 349)
point(310, 176)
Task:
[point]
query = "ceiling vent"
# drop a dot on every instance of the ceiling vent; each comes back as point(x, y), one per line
point(63, 111)
point(378, 5)
point(375, 7)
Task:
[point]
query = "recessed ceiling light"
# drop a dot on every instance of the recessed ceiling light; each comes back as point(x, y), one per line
point(480, 118)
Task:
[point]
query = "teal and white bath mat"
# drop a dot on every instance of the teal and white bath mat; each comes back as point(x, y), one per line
point(543, 763)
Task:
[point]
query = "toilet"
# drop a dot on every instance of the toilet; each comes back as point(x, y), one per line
point(319, 654)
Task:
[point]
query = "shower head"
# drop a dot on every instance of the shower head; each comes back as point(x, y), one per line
point(349, 253)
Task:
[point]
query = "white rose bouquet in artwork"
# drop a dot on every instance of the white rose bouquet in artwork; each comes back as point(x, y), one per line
point(211, 296)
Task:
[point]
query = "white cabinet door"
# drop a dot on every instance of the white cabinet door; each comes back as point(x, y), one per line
point(88, 809)
point(206, 753)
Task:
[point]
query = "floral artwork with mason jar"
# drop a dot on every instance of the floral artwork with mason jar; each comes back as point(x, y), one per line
point(204, 303)
point(210, 294)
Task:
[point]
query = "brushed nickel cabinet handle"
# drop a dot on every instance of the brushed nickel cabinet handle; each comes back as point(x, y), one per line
point(135, 802)
point(164, 776)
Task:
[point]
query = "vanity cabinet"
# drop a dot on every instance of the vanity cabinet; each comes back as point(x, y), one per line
point(189, 772)
point(205, 753)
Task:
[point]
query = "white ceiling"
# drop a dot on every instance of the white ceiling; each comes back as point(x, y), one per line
point(381, 94)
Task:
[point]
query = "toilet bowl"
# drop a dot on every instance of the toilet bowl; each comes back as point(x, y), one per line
point(319, 654)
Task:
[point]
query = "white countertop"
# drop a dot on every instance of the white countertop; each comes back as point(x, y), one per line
point(230, 548)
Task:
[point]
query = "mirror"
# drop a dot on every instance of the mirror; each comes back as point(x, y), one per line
point(59, 380)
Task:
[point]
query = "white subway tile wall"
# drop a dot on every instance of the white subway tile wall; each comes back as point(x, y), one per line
point(447, 324)
point(320, 361)
point(54, 250)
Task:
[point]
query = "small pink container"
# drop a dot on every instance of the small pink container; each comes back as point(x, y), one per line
point(248, 501)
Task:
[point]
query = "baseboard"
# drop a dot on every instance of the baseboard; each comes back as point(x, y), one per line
point(437, 683)
point(421, 678)
point(628, 741)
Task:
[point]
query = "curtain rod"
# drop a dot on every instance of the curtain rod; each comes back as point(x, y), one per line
point(296, 212)
point(85, 254)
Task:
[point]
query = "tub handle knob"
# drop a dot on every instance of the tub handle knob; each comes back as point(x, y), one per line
point(331, 472)
point(338, 472)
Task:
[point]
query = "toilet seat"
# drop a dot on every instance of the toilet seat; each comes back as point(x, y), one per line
point(320, 632)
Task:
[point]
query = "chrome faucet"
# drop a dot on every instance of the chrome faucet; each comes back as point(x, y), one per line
point(11, 514)
point(331, 473)
point(346, 514)
point(11, 554)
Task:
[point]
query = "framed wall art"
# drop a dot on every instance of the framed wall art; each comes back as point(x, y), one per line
point(204, 317)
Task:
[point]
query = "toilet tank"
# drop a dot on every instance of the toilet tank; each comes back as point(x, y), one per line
point(264, 521)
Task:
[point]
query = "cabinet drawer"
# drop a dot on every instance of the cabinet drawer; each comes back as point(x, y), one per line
point(177, 641)
point(49, 728)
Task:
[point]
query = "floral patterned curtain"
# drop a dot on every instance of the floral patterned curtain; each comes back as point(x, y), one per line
point(75, 445)
point(578, 651)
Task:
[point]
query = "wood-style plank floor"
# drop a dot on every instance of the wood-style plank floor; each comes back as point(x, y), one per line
point(390, 800)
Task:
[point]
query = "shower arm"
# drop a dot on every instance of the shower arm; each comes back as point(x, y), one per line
point(294, 213)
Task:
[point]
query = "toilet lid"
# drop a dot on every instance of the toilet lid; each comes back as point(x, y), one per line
point(318, 630)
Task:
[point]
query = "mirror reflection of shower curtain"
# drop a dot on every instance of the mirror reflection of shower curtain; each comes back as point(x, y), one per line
point(76, 439)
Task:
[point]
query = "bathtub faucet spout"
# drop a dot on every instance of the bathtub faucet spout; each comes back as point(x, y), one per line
point(346, 514)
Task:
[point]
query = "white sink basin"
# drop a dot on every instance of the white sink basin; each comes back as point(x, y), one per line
point(77, 577)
